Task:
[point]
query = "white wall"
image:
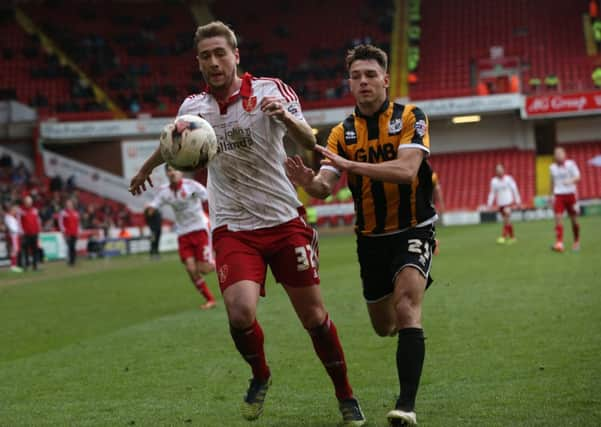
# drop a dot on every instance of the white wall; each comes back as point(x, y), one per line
point(498, 131)
point(579, 129)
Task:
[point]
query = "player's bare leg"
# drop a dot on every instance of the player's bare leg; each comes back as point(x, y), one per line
point(575, 231)
point(310, 309)
point(400, 313)
point(195, 270)
point(241, 301)
point(558, 246)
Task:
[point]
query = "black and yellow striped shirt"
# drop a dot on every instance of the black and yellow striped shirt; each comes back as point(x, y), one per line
point(385, 207)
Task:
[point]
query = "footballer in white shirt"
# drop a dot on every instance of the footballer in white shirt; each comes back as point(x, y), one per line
point(186, 197)
point(14, 231)
point(256, 218)
point(564, 177)
point(504, 191)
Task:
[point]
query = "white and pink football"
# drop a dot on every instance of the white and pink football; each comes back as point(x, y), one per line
point(188, 143)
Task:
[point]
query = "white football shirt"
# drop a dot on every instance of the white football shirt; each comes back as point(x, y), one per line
point(247, 183)
point(186, 202)
point(12, 225)
point(504, 190)
point(562, 175)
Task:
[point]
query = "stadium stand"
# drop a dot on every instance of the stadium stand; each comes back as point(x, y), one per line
point(466, 176)
point(145, 62)
point(49, 195)
point(314, 67)
point(36, 77)
point(454, 35)
point(588, 158)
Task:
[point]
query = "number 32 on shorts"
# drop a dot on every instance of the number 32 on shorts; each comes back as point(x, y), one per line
point(305, 257)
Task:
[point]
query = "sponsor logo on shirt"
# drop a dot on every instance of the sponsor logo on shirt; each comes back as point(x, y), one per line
point(421, 127)
point(395, 126)
point(234, 139)
point(350, 135)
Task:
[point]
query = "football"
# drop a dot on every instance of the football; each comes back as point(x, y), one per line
point(188, 143)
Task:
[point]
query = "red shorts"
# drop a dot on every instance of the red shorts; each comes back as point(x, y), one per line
point(565, 202)
point(15, 244)
point(505, 210)
point(290, 249)
point(195, 245)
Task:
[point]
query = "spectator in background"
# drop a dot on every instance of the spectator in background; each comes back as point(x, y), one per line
point(31, 226)
point(68, 223)
point(596, 76)
point(13, 232)
point(56, 184)
point(552, 81)
point(153, 220)
point(597, 32)
point(593, 9)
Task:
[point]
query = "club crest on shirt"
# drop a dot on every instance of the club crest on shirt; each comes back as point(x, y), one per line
point(395, 126)
point(421, 127)
point(249, 104)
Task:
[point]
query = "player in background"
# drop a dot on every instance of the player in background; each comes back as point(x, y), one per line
point(438, 200)
point(383, 147)
point(186, 196)
point(31, 226)
point(154, 221)
point(68, 223)
point(256, 216)
point(14, 232)
point(564, 177)
point(504, 191)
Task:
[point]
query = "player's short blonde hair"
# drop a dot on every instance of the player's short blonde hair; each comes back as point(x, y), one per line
point(216, 29)
point(367, 51)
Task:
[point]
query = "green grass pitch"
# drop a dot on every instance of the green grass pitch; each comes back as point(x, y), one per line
point(513, 339)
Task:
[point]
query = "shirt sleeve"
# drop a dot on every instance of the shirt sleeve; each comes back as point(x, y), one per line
point(335, 145)
point(415, 132)
point(200, 191)
point(158, 201)
point(61, 223)
point(491, 194)
point(516, 192)
point(288, 98)
point(574, 171)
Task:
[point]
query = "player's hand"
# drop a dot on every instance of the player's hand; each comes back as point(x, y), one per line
point(273, 106)
point(298, 173)
point(332, 159)
point(137, 184)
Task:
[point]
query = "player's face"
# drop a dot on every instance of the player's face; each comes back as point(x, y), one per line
point(217, 62)
point(560, 155)
point(173, 175)
point(500, 170)
point(368, 81)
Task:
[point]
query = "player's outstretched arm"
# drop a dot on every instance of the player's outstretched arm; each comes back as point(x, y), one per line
point(401, 170)
point(298, 130)
point(137, 184)
point(319, 185)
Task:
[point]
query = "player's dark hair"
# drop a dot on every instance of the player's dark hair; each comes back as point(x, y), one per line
point(367, 51)
point(216, 29)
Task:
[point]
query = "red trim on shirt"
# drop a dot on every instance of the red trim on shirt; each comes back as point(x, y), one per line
point(245, 92)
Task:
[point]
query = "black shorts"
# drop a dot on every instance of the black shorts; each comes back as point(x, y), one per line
point(382, 258)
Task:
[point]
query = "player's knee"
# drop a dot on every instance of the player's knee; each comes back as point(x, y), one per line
point(206, 268)
point(407, 311)
point(385, 329)
point(312, 317)
point(241, 317)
